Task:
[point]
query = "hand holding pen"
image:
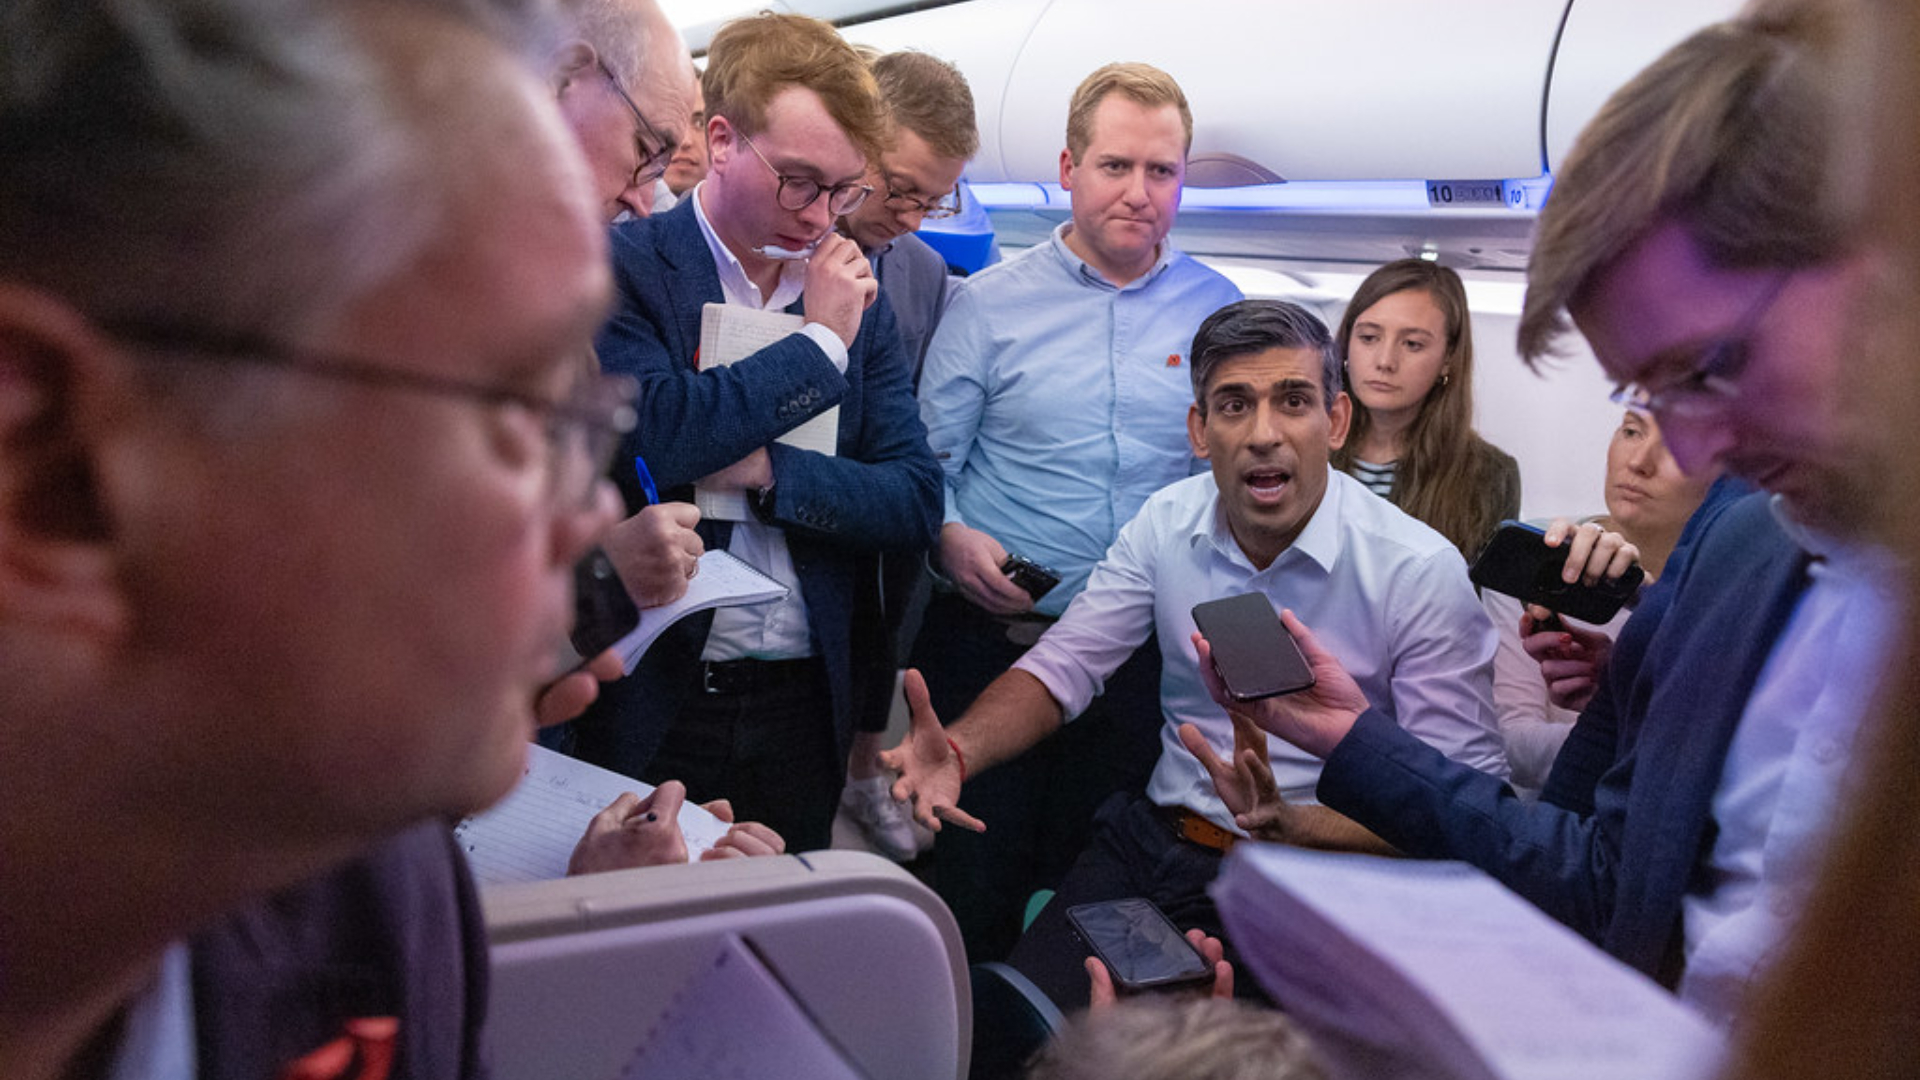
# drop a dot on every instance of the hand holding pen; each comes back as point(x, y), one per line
point(656, 550)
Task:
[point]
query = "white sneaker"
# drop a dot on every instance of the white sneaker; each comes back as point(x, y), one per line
point(885, 822)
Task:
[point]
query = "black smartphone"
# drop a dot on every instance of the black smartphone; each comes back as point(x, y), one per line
point(1141, 947)
point(603, 610)
point(1252, 651)
point(1035, 579)
point(1518, 562)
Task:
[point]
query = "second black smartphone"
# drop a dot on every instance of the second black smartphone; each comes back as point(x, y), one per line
point(1252, 651)
point(1518, 562)
point(603, 610)
point(1141, 947)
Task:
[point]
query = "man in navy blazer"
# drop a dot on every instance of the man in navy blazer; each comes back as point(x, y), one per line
point(755, 703)
point(1711, 276)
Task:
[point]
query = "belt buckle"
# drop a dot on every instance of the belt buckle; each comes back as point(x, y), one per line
point(706, 679)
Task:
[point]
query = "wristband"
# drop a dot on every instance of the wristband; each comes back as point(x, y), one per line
point(958, 756)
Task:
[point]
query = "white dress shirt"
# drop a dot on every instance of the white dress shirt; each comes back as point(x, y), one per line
point(1785, 778)
point(1387, 595)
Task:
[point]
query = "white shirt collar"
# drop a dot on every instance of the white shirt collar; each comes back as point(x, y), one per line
point(1319, 539)
point(734, 282)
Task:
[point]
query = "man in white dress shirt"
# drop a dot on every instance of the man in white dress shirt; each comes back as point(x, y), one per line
point(1273, 518)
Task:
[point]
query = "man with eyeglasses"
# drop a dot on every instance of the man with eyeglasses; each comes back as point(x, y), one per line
point(755, 704)
point(620, 82)
point(916, 179)
point(297, 463)
point(1692, 237)
point(1055, 395)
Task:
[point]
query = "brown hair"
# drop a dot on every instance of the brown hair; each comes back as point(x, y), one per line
point(1729, 131)
point(1143, 84)
point(929, 97)
point(1447, 472)
point(751, 60)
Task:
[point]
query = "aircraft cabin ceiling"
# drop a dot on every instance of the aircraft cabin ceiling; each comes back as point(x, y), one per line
point(1358, 130)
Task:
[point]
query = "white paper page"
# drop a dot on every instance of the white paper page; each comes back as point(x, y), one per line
point(722, 581)
point(731, 332)
point(530, 834)
point(734, 1020)
point(1537, 1001)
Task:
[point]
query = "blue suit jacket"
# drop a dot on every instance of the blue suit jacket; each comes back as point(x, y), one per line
point(396, 933)
point(880, 492)
point(1625, 822)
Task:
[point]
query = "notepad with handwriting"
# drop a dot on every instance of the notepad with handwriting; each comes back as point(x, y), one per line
point(723, 580)
point(732, 332)
point(530, 834)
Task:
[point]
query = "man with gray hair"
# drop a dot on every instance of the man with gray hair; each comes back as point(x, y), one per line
point(1271, 518)
point(620, 80)
point(298, 458)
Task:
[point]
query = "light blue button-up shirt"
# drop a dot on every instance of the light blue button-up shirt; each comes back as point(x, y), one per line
point(1057, 402)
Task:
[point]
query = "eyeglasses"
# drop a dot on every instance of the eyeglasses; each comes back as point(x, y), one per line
point(653, 163)
point(581, 432)
point(798, 192)
point(944, 207)
point(1709, 384)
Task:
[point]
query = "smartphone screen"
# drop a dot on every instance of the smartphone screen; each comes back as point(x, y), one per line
point(1518, 562)
point(603, 611)
point(1140, 946)
point(1252, 651)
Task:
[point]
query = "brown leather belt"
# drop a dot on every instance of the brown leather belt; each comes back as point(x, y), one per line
point(1195, 829)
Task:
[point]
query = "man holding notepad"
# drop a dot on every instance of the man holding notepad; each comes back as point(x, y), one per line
point(754, 703)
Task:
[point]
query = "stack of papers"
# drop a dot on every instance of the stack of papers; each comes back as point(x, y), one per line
point(1402, 968)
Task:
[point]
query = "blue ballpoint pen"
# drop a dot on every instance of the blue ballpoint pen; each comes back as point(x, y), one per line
point(646, 480)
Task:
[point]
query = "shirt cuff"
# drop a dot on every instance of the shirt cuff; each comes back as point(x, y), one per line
point(829, 343)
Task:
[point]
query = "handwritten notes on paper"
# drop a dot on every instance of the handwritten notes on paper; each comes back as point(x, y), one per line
point(722, 581)
point(529, 835)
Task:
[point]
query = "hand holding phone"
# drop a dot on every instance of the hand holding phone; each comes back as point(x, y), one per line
point(1253, 653)
point(1140, 946)
point(1518, 562)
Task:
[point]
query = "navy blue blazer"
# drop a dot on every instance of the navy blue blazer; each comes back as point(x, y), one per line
point(1625, 821)
point(881, 491)
point(395, 933)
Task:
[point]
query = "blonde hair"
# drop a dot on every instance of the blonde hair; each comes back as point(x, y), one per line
point(1174, 1038)
point(751, 60)
point(1143, 84)
point(1730, 132)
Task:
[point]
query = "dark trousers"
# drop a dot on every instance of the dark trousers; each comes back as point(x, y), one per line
point(769, 750)
point(1038, 807)
point(1134, 853)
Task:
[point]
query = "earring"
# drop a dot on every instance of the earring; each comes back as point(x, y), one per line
point(1446, 377)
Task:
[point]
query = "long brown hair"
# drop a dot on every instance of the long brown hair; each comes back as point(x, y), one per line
point(1447, 469)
